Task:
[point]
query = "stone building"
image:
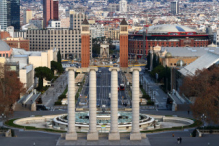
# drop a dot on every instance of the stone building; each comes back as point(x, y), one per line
point(166, 36)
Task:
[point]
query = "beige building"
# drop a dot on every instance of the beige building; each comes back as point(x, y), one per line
point(112, 33)
point(28, 15)
point(65, 22)
point(66, 40)
point(76, 18)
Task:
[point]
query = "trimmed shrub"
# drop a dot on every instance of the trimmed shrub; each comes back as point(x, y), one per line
point(62, 96)
point(58, 102)
point(150, 102)
point(194, 133)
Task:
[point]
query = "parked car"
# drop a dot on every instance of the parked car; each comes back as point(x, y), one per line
point(41, 107)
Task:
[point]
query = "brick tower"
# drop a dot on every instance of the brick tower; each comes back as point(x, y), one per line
point(123, 44)
point(85, 43)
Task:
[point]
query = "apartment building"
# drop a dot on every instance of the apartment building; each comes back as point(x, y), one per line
point(97, 30)
point(76, 19)
point(68, 41)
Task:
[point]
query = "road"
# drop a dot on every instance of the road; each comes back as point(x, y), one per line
point(103, 77)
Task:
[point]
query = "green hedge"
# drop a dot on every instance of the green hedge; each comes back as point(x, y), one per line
point(149, 102)
point(59, 102)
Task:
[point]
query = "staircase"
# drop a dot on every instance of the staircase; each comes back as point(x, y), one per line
point(18, 107)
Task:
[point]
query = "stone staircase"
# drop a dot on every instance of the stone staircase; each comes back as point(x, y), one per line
point(19, 107)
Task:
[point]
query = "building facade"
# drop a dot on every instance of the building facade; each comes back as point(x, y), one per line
point(50, 11)
point(174, 6)
point(166, 36)
point(85, 44)
point(18, 43)
point(123, 44)
point(10, 14)
point(3, 14)
point(55, 9)
point(66, 40)
point(113, 7)
point(28, 15)
point(97, 30)
point(76, 19)
point(37, 22)
point(123, 6)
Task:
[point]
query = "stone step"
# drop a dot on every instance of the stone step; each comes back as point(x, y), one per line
point(19, 107)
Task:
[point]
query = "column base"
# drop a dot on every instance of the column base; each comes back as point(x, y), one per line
point(71, 136)
point(135, 136)
point(92, 136)
point(114, 136)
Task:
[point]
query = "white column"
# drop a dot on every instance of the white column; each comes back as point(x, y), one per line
point(114, 133)
point(135, 133)
point(92, 134)
point(71, 134)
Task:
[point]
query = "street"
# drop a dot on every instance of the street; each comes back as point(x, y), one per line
point(103, 77)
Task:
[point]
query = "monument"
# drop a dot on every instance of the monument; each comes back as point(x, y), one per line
point(93, 132)
point(104, 50)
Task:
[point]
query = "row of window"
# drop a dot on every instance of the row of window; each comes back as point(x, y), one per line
point(4, 55)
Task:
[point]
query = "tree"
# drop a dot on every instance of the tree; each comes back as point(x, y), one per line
point(160, 70)
point(148, 61)
point(43, 73)
point(59, 58)
point(56, 66)
point(10, 89)
point(204, 88)
point(167, 79)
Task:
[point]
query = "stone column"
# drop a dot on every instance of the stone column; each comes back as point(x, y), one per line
point(92, 134)
point(71, 134)
point(114, 133)
point(135, 133)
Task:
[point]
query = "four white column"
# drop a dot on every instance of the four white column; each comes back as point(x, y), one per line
point(135, 133)
point(71, 134)
point(92, 134)
point(114, 133)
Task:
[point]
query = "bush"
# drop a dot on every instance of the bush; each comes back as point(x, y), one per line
point(62, 96)
point(150, 102)
point(12, 133)
point(194, 133)
point(58, 102)
point(146, 96)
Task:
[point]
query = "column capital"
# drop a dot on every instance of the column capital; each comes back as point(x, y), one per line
point(135, 68)
point(114, 68)
point(71, 68)
point(92, 68)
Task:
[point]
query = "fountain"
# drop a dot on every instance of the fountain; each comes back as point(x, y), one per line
point(103, 121)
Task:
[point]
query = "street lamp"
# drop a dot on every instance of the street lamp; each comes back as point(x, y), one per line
point(203, 117)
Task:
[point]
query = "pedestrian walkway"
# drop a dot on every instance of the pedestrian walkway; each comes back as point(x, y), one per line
point(103, 140)
point(52, 94)
point(160, 97)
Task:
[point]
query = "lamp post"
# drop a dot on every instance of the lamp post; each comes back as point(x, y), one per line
point(203, 117)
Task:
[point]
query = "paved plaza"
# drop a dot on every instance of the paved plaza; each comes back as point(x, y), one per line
point(27, 138)
point(103, 140)
point(39, 138)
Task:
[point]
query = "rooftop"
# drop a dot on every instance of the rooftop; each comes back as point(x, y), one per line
point(165, 28)
point(189, 51)
point(4, 46)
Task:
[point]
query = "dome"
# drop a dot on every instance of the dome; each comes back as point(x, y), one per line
point(166, 28)
point(180, 63)
point(4, 46)
point(168, 55)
